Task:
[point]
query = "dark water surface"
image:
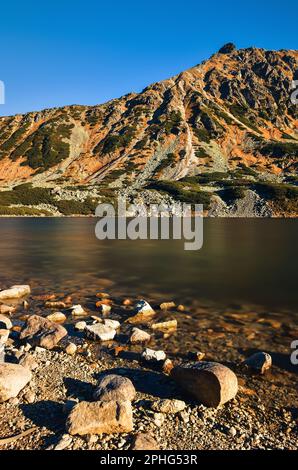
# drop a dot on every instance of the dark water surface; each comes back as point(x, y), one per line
point(243, 261)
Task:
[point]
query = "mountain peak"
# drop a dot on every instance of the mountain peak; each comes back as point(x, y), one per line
point(227, 48)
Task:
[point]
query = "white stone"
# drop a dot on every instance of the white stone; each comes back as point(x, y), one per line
point(4, 334)
point(15, 292)
point(71, 349)
point(77, 310)
point(100, 331)
point(143, 307)
point(112, 323)
point(80, 325)
point(151, 355)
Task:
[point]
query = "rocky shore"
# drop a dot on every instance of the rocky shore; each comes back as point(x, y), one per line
point(107, 374)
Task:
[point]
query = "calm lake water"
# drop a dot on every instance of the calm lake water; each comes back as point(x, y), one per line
point(243, 261)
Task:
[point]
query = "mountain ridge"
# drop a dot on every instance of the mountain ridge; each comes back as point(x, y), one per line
point(229, 115)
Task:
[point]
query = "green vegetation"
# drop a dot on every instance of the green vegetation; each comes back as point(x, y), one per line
point(112, 142)
point(176, 190)
point(22, 211)
point(229, 195)
point(202, 135)
point(165, 163)
point(11, 143)
point(172, 123)
point(205, 178)
point(240, 113)
point(27, 195)
point(283, 196)
point(280, 149)
point(71, 207)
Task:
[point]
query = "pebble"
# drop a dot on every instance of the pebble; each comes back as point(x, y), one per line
point(164, 327)
point(15, 292)
point(139, 336)
point(167, 305)
point(77, 311)
point(154, 356)
point(80, 325)
point(64, 442)
point(57, 317)
point(169, 406)
point(5, 322)
point(158, 419)
point(71, 349)
point(111, 323)
point(29, 397)
point(232, 432)
point(100, 331)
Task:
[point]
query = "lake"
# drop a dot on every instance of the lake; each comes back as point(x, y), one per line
point(242, 262)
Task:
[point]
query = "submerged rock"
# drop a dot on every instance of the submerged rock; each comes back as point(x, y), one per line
point(114, 387)
point(260, 362)
point(77, 311)
point(167, 305)
point(42, 332)
point(80, 325)
point(165, 326)
point(100, 418)
point(211, 383)
point(104, 309)
point(100, 331)
point(144, 307)
point(111, 323)
point(142, 313)
point(139, 336)
point(13, 378)
point(15, 292)
point(55, 304)
point(144, 441)
point(57, 317)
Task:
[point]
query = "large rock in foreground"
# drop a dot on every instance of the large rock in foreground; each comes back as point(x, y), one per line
point(100, 418)
point(42, 332)
point(13, 378)
point(114, 387)
point(15, 292)
point(212, 384)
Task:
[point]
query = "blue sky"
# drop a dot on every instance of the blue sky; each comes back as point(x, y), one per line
point(55, 53)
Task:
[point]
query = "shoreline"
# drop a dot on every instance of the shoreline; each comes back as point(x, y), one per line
point(263, 415)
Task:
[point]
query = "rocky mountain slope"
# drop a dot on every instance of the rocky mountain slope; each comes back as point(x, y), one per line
point(223, 133)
